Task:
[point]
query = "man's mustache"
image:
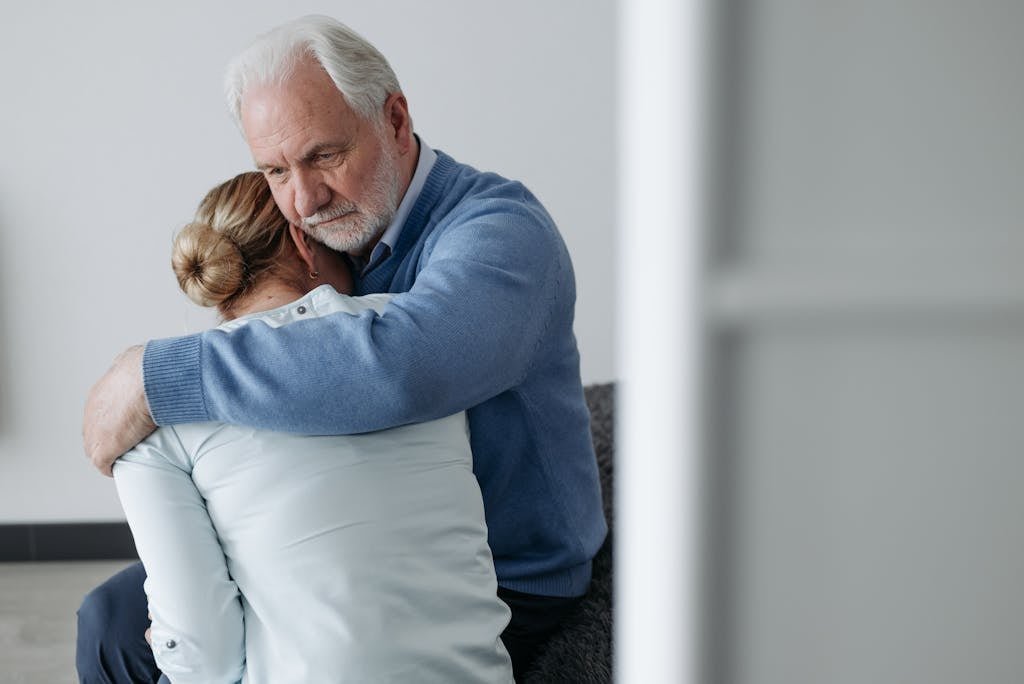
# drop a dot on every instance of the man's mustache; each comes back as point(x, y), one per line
point(329, 214)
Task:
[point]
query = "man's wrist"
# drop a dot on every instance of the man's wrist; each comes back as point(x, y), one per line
point(172, 380)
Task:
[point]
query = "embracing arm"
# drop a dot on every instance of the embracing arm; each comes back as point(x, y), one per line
point(197, 632)
point(116, 417)
point(467, 330)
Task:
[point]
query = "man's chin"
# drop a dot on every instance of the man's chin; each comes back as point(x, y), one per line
point(347, 241)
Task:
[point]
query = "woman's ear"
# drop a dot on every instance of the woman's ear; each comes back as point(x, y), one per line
point(303, 247)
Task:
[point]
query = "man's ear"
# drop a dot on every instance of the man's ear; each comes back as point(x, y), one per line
point(302, 246)
point(399, 123)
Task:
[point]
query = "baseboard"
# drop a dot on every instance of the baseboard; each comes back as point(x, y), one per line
point(66, 541)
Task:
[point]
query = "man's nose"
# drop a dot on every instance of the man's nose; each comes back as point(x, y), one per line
point(311, 193)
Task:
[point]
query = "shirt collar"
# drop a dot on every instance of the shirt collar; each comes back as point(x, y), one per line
point(419, 178)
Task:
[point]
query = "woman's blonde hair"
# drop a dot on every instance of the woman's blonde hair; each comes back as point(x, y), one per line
point(237, 238)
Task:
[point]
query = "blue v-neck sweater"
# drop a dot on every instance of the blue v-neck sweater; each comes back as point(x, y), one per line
point(482, 323)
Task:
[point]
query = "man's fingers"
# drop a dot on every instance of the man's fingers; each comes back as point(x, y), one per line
point(116, 417)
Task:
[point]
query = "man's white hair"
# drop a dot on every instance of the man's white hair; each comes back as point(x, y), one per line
point(358, 69)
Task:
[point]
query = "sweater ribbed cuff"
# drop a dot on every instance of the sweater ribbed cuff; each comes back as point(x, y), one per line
point(172, 378)
point(568, 582)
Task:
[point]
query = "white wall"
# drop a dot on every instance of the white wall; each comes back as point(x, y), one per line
point(114, 127)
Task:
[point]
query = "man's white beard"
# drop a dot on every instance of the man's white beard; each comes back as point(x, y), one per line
point(355, 232)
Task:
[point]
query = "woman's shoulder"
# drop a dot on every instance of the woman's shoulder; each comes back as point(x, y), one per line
point(323, 301)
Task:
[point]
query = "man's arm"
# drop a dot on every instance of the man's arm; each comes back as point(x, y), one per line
point(198, 631)
point(467, 331)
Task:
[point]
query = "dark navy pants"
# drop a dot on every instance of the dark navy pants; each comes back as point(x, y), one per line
point(112, 622)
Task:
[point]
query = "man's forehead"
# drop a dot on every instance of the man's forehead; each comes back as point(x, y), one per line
point(271, 122)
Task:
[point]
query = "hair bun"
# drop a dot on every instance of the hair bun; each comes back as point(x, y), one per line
point(209, 266)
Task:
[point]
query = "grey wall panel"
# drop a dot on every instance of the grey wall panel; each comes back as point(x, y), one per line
point(877, 534)
point(879, 126)
point(867, 306)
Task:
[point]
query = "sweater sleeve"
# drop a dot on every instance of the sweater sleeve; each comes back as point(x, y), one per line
point(469, 329)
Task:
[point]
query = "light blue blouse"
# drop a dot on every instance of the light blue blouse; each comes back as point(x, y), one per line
point(284, 558)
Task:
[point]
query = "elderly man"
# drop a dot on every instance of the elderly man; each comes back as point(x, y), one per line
point(482, 322)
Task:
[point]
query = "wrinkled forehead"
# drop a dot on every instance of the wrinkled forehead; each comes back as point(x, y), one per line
point(275, 113)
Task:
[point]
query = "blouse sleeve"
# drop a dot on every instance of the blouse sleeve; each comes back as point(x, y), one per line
point(198, 632)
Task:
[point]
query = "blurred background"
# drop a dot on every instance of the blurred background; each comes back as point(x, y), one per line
point(842, 499)
point(796, 228)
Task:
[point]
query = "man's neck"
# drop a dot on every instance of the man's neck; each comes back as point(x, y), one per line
point(407, 169)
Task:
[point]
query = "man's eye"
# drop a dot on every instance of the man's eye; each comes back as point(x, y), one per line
point(326, 156)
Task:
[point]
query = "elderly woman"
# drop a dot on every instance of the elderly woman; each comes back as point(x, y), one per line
point(278, 558)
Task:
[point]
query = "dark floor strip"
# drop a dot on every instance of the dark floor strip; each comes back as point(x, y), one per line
point(66, 541)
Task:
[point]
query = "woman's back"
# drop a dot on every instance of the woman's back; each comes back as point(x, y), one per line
point(358, 558)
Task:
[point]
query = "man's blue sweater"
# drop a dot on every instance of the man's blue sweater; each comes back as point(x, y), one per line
point(483, 323)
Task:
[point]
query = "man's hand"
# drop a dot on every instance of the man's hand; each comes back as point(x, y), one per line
point(116, 415)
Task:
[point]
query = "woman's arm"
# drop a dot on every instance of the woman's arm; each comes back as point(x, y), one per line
point(198, 632)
